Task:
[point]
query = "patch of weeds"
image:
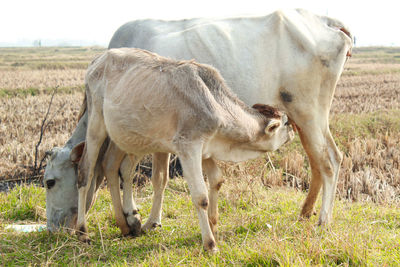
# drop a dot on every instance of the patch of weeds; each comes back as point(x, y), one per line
point(23, 203)
point(36, 91)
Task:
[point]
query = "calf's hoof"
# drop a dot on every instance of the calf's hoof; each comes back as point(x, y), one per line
point(150, 226)
point(324, 219)
point(135, 224)
point(125, 230)
point(211, 247)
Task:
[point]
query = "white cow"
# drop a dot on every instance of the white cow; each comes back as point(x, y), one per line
point(150, 104)
point(291, 59)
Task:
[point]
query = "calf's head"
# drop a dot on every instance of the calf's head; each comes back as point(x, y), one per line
point(278, 130)
point(61, 190)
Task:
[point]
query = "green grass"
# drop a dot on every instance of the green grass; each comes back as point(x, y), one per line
point(359, 71)
point(383, 55)
point(48, 58)
point(253, 232)
point(36, 91)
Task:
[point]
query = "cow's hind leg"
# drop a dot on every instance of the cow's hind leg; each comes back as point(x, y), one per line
point(96, 134)
point(325, 159)
point(159, 179)
point(111, 164)
point(215, 181)
point(130, 209)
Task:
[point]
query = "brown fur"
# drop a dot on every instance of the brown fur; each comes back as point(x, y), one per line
point(268, 111)
point(219, 185)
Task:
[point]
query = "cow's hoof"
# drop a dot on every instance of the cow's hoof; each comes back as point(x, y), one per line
point(82, 234)
point(307, 214)
point(84, 238)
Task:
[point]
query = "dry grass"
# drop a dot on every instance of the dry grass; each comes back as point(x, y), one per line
point(20, 122)
point(363, 120)
point(41, 79)
point(367, 93)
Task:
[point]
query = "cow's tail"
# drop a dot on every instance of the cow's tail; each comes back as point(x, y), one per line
point(83, 106)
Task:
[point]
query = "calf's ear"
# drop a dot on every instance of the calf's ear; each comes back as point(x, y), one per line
point(268, 111)
point(272, 126)
point(76, 152)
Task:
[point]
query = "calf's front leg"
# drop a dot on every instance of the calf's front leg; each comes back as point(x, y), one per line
point(215, 181)
point(96, 134)
point(190, 158)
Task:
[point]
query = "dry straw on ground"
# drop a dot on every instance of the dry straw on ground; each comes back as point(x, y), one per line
point(20, 122)
point(370, 169)
point(41, 79)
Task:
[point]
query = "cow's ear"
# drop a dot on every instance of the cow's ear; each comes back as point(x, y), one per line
point(52, 153)
point(272, 126)
point(76, 152)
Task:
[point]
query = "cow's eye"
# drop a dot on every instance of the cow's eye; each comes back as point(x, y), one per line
point(50, 183)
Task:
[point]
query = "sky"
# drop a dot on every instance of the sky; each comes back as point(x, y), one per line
point(87, 22)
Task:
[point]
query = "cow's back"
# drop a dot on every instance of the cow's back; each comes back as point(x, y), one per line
point(153, 99)
point(255, 55)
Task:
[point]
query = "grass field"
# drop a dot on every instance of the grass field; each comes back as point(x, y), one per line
point(259, 212)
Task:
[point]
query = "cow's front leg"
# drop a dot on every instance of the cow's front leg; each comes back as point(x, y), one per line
point(96, 134)
point(215, 181)
point(325, 159)
point(159, 179)
point(130, 209)
point(190, 158)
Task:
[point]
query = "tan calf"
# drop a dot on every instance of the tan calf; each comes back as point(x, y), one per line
point(150, 104)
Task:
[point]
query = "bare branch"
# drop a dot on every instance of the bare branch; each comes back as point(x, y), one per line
point(36, 168)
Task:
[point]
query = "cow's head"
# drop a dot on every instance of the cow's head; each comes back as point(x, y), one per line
point(278, 130)
point(61, 188)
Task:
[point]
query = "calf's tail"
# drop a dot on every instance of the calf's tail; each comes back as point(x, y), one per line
point(83, 106)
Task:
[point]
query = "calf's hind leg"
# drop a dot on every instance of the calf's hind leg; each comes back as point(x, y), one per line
point(130, 209)
point(159, 179)
point(111, 164)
